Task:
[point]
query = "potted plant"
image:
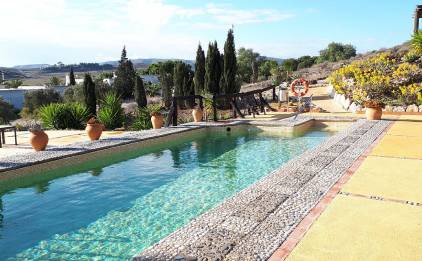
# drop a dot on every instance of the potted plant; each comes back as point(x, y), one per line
point(197, 114)
point(94, 129)
point(373, 109)
point(38, 138)
point(157, 118)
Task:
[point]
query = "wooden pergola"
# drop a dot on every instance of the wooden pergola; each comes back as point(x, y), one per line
point(418, 14)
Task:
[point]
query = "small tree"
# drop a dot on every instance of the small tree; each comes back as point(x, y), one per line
point(125, 80)
point(199, 70)
point(54, 81)
point(89, 95)
point(72, 80)
point(140, 96)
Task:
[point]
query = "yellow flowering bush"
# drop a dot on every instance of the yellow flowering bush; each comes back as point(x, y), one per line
point(382, 77)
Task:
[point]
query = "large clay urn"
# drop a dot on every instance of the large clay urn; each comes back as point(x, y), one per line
point(38, 140)
point(197, 114)
point(94, 129)
point(373, 113)
point(157, 120)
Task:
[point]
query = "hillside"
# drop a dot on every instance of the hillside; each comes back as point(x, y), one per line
point(323, 70)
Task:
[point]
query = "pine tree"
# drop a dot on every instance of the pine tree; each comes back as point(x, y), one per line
point(125, 80)
point(72, 80)
point(230, 65)
point(199, 70)
point(140, 96)
point(89, 95)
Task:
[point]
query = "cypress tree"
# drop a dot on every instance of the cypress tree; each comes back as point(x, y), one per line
point(230, 64)
point(140, 96)
point(89, 95)
point(212, 69)
point(178, 78)
point(166, 71)
point(72, 80)
point(125, 80)
point(199, 70)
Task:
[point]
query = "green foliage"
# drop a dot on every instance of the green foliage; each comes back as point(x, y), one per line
point(266, 67)
point(140, 96)
point(230, 66)
point(290, 65)
point(306, 61)
point(54, 81)
point(152, 89)
point(166, 81)
point(143, 117)
point(89, 94)
point(212, 69)
point(183, 79)
point(246, 60)
point(74, 94)
point(199, 78)
point(417, 42)
point(72, 80)
point(13, 84)
point(63, 115)
point(337, 52)
point(125, 77)
point(7, 112)
point(104, 75)
point(152, 69)
point(37, 98)
point(111, 112)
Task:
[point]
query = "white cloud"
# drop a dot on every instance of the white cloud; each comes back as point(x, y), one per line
point(147, 27)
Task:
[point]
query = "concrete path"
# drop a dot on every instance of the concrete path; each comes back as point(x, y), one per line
point(378, 213)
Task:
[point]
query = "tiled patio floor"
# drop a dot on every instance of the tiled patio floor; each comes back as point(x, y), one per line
point(378, 214)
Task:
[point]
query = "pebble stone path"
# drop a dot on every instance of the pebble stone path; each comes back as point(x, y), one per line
point(255, 222)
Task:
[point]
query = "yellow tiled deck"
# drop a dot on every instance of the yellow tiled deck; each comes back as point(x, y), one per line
point(357, 227)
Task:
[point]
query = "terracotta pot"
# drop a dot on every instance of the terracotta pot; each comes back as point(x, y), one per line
point(94, 130)
point(373, 113)
point(38, 140)
point(157, 121)
point(197, 115)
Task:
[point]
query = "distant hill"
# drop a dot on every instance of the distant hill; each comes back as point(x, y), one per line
point(31, 66)
point(12, 73)
point(144, 62)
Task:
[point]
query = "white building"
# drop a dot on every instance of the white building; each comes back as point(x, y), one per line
point(77, 80)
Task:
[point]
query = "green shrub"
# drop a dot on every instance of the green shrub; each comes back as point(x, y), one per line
point(111, 112)
point(143, 117)
point(7, 112)
point(417, 42)
point(13, 84)
point(37, 98)
point(63, 115)
point(74, 94)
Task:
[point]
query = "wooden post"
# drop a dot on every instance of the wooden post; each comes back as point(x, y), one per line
point(418, 14)
point(174, 111)
point(233, 104)
point(214, 107)
point(274, 93)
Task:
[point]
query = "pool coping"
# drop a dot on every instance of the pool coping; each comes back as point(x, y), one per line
point(253, 224)
point(17, 165)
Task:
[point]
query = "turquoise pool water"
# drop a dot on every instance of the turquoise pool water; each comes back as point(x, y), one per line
point(114, 207)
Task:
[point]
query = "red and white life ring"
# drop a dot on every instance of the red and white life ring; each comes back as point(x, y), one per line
point(302, 82)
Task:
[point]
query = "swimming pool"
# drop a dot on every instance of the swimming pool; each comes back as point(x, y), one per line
point(119, 204)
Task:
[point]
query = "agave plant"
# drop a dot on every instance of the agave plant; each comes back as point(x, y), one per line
point(63, 115)
point(111, 112)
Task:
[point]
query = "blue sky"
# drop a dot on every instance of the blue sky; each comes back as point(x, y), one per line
point(74, 31)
